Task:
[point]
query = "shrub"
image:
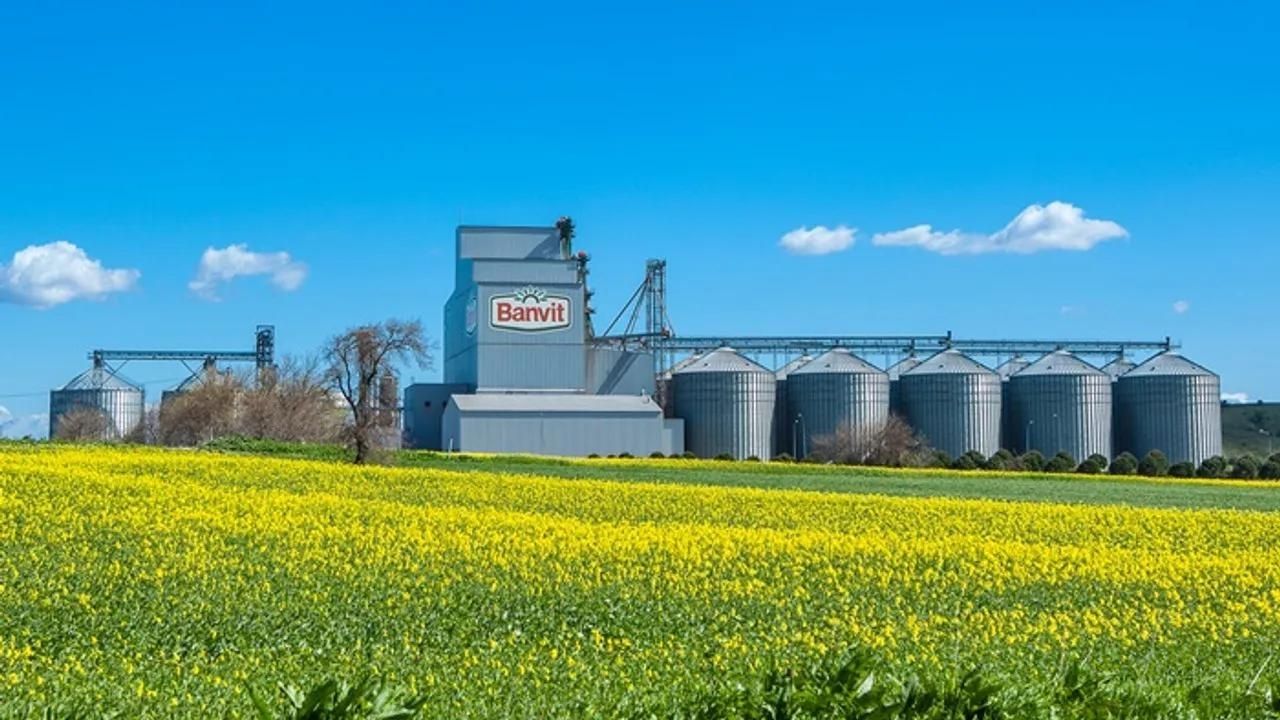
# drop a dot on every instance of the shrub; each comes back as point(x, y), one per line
point(625, 455)
point(1274, 458)
point(1124, 464)
point(1245, 467)
point(1032, 461)
point(1100, 459)
point(687, 455)
point(1093, 465)
point(1002, 460)
point(938, 459)
point(1214, 467)
point(656, 455)
point(1270, 470)
point(752, 458)
point(972, 460)
point(1182, 469)
point(1061, 463)
point(1154, 464)
point(593, 455)
point(784, 458)
point(726, 457)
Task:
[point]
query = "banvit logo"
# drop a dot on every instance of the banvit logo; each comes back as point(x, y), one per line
point(530, 309)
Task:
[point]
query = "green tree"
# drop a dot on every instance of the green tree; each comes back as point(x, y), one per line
point(1182, 469)
point(1093, 465)
point(1124, 464)
point(1032, 461)
point(1154, 464)
point(1245, 467)
point(1061, 463)
point(1214, 467)
point(1270, 470)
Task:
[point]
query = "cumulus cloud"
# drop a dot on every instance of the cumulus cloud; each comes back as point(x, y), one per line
point(47, 275)
point(1238, 398)
point(1056, 226)
point(1181, 307)
point(819, 240)
point(221, 266)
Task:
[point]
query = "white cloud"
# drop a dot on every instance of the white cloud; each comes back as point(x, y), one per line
point(219, 266)
point(1056, 226)
point(36, 425)
point(47, 275)
point(1181, 307)
point(819, 240)
point(1238, 398)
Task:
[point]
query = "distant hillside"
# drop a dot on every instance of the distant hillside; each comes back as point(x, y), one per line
point(1240, 425)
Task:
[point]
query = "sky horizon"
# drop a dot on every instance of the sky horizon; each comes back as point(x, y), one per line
point(174, 176)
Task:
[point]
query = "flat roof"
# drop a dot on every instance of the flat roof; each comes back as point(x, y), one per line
point(555, 402)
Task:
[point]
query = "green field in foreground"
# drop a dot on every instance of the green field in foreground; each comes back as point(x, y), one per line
point(1089, 489)
point(172, 584)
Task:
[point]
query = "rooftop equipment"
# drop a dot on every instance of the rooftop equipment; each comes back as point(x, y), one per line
point(1173, 405)
point(836, 389)
point(954, 403)
point(726, 402)
point(1060, 403)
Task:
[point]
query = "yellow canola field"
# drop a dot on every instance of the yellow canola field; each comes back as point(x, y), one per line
point(168, 583)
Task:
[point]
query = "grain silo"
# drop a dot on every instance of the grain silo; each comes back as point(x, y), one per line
point(120, 402)
point(954, 403)
point(1060, 403)
point(1007, 427)
point(662, 386)
point(1171, 404)
point(207, 373)
point(836, 389)
point(726, 402)
point(1114, 369)
point(894, 372)
point(782, 437)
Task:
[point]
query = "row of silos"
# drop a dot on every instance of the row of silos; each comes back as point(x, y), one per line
point(1059, 403)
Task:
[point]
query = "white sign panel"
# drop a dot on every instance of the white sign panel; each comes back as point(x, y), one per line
point(530, 309)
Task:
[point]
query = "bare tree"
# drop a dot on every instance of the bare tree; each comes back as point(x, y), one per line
point(85, 424)
point(290, 402)
point(893, 444)
point(204, 413)
point(358, 360)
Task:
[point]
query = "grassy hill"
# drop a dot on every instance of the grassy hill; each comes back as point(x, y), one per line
point(1240, 425)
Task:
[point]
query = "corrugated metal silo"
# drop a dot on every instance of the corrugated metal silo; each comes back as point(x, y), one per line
point(1171, 404)
point(100, 389)
point(662, 386)
point(1114, 369)
point(727, 403)
point(207, 373)
point(1060, 403)
point(782, 441)
point(836, 388)
point(894, 372)
point(954, 402)
point(1007, 427)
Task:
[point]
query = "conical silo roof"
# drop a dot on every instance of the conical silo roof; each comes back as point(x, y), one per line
point(1059, 362)
point(904, 365)
point(1012, 366)
point(838, 360)
point(723, 360)
point(1170, 363)
point(1118, 367)
point(792, 366)
point(950, 362)
point(100, 377)
point(682, 364)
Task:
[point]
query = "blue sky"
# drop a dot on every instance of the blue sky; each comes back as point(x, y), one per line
point(354, 140)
